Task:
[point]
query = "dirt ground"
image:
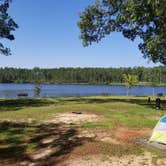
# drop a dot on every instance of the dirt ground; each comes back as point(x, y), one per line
point(90, 147)
point(74, 117)
point(104, 160)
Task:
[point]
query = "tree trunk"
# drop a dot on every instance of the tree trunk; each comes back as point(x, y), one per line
point(127, 93)
point(153, 91)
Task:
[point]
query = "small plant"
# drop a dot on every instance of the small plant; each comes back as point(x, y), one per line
point(37, 90)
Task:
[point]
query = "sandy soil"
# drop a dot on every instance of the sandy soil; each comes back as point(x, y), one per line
point(147, 159)
point(69, 118)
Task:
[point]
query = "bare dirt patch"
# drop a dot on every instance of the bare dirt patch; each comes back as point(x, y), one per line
point(86, 134)
point(99, 135)
point(127, 160)
point(76, 118)
point(129, 135)
point(119, 136)
point(107, 137)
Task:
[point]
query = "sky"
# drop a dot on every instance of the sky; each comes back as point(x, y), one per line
point(48, 37)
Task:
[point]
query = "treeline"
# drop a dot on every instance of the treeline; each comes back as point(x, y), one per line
point(155, 75)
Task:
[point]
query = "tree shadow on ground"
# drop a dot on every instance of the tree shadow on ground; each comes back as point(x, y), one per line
point(16, 104)
point(143, 102)
point(44, 144)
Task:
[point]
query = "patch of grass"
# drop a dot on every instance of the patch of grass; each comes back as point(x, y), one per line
point(128, 111)
point(15, 134)
point(97, 147)
point(120, 150)
point(132, 119)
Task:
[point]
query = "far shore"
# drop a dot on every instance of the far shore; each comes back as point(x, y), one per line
point(109, 84)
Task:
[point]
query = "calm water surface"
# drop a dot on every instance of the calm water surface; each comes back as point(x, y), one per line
point(56, 90)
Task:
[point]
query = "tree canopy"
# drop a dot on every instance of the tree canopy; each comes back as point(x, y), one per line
point(7, 25)
point(130, 80)
point(148, 76)
point(145, 19)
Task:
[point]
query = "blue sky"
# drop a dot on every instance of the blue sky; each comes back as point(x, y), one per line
point(48, 37)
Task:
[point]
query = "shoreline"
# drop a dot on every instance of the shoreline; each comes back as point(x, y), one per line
point(93, 84)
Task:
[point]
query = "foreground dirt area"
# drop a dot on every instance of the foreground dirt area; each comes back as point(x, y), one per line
point(104, 160)
point(63, 142)
point(75, 117)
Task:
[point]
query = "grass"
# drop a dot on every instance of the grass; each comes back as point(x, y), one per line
point(19, 138)
point(128, 111)
point(99, 124)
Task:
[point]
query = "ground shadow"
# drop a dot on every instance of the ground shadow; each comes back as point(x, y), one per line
point(16, 104)
point(143, 102)
point(44, 144)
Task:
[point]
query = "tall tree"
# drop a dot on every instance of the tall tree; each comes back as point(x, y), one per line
point(7, 25)
point(145, 19)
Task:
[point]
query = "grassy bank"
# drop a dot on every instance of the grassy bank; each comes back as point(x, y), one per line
point(126, 110)
point(23, 129)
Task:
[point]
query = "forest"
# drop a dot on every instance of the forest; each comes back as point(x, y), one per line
point(147, 76)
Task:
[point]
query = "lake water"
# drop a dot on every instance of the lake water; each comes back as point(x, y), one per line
point(56, 90)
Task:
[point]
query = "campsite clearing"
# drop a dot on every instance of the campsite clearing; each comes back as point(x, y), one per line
point(78, 131)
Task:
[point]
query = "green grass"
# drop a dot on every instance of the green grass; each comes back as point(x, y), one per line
point(19, 138)
point(126, 111)
point(99, 124)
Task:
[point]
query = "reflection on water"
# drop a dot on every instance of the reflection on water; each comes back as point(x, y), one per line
point(56, 90)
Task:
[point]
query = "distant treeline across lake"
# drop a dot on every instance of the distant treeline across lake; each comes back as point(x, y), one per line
point(58, 90)
point(148, 76)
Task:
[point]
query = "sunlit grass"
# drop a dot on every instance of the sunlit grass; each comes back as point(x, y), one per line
point(127, 111)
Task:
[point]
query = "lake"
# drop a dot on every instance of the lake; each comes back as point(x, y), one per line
point(59, 90)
